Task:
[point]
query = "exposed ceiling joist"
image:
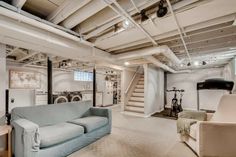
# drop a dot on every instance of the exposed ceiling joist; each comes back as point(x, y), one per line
point(31, 54)
point(34, 61)
point(180, 29)
point(18, 3)
point(195, 16)
point(196, 27)
point(82, 14)
point(98, 28)
point(214, 47)
point(67, 8)
point(124, 14)
point(13, 51)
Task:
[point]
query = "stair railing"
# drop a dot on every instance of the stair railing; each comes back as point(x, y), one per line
point(130, 83)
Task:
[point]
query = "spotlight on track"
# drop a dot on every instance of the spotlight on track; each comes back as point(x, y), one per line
point(234, 23)
point(162, 11)
point(144, 17)
point(204, 63)
point(189, 64)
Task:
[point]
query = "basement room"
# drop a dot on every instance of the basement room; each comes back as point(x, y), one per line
point(117, 78)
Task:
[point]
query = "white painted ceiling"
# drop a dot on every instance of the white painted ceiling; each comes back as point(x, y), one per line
point(206, 26)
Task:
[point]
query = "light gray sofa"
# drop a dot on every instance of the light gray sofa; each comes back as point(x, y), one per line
point(57, 130)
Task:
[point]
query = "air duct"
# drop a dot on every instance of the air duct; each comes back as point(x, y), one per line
point(156, 62)
point(164, 50)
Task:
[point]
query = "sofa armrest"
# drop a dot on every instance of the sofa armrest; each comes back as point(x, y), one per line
point(216, 139)
point(103, 112)
point(198, 115)
point(26, 138)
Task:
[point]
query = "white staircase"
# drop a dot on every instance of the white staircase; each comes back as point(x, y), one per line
point(136, 100)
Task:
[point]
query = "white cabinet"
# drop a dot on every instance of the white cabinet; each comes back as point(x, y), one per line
point(89, 96)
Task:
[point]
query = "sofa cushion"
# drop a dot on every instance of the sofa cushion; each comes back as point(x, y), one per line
point(52, 114)
point(58, 133)
point(90, 123)
point(192, 132)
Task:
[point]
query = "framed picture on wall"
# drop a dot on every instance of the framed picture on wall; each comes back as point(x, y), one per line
point(24, 79)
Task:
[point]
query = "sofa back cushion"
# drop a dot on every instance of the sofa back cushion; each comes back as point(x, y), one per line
point(44, 115)
point(226, 111)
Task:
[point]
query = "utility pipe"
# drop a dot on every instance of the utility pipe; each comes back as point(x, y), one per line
point(129, 18)
point(159, 64)
point(148, 52)
point(156, 62)
point(135, 6)
point(179, 30)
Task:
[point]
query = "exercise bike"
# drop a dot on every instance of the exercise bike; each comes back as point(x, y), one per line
point(176, 106)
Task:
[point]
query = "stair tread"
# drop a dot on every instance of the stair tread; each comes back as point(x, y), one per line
point(134, 111)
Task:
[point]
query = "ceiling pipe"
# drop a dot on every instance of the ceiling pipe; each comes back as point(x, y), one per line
point(135, 6)
point(179, 29)
point(101, 27)
point(165, 50)
point(18, 3)
point(82, 14)
point(67, 8)
point(157, 63)
point(186, 4)
point(124, 14)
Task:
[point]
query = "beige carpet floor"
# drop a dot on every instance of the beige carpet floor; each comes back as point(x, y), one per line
point(138, 137)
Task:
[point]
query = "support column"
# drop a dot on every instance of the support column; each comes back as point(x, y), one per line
point(49, 69)
point(3, 75)
point(94, 86)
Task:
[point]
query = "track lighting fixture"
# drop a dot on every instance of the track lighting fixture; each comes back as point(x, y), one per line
point(204, 63)
point(162, 11)
point(234, 23)
point(144, 17)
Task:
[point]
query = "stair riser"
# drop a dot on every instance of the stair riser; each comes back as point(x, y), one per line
point(139, 86)
point(137, 99)
point(139, 90)
point(138, 94)
point(134, 109)
point(136, 104)
point(140, 83)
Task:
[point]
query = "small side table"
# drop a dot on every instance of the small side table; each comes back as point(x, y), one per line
point(6, 130)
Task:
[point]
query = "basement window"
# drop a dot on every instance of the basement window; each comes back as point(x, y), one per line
point(83, 76)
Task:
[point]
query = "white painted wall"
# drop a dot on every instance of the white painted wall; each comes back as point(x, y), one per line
point(188, 81)
point(153, 89)
point(230, 72)
point(62, 81)
point(2, 78)
point(2, 90)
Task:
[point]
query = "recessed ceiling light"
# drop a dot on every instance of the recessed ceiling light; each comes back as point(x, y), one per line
point(182, 65)
point(127, 63)
point(126, 24)
point(196, 63)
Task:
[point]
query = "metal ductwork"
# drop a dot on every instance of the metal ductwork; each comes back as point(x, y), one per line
point(164, 50)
